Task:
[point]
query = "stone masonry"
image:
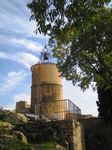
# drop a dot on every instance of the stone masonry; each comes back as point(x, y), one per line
point(67, 133)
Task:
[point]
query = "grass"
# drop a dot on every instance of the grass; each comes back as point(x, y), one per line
point(15, 145)
point(47, 146)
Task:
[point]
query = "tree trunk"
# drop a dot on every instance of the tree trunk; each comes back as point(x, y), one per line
point(104, 103)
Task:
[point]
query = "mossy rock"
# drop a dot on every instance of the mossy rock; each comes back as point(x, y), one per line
point(59, 147)
point(6, 125)
point(20, 137)
point(6, 115)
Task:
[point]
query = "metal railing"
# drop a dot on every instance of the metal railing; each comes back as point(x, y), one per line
point(58, 109)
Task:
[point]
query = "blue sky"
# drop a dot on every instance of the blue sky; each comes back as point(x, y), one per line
point(19, 49)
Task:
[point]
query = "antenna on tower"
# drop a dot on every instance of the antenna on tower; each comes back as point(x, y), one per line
point(45, 55)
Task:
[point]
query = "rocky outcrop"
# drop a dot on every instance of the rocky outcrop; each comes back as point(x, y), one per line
point(13, 139)
point(67, 133)
point(9, 136)
point(12, 117)
point(63, 134)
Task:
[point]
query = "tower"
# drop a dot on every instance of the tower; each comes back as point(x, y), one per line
point(46, 89)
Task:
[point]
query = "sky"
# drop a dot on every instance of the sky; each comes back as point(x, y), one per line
point(19, 49)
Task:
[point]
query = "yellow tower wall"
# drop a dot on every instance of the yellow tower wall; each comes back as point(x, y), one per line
point(45, 72)
point(46, 88)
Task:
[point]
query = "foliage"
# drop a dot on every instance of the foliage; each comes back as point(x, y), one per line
point(80, 35)
point(105, 103)
point(98, 134)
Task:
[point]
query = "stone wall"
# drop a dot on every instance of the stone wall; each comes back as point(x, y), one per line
point(68, 134)
point(78, 136)
point(75, 135)
point(98, 134)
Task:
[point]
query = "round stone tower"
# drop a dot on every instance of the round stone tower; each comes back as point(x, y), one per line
point(46, 90)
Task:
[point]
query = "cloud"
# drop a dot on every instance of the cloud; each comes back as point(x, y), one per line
point(11, 81)
point(84, 100)
point(110, 4)
point(14, 17)
point(16, 98)
point(10, 106)
point(28, 44)
point(4, 55)
point(22, 97)
point(26, 59)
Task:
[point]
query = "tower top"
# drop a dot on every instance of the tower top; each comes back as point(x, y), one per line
point(45, 55)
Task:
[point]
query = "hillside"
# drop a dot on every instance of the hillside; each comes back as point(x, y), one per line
point(12, 136)
point(17, 134)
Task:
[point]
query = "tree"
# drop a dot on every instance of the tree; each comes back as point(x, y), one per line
point(80, 36)
point(105, 103)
